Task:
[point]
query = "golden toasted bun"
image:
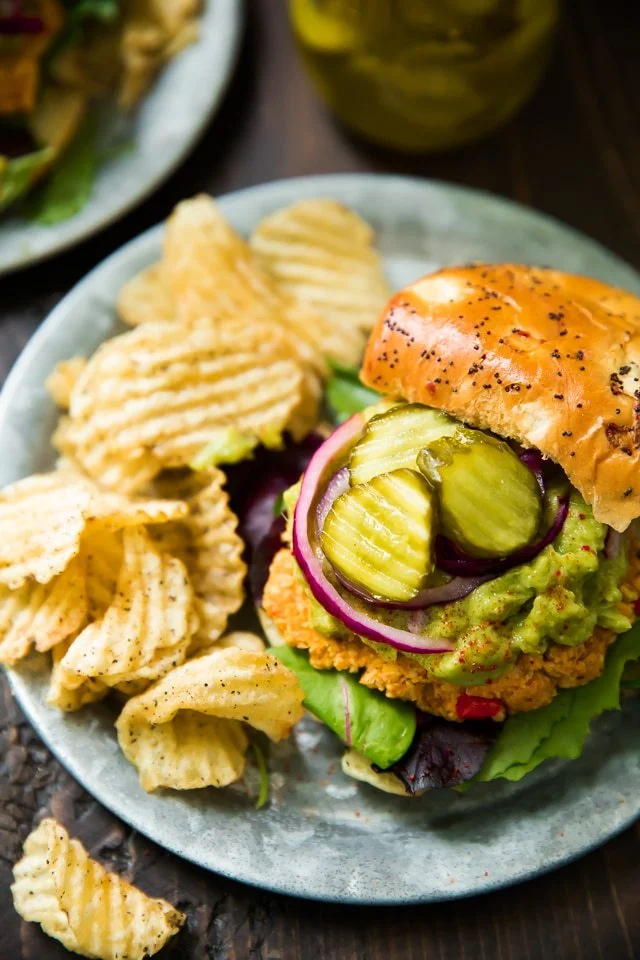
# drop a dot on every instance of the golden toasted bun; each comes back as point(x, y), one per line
point(547, 358)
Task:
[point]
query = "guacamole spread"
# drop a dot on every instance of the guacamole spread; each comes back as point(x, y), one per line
point(559, 597)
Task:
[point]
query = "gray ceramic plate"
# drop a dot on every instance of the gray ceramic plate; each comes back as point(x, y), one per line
point(324, 836)
point(188, 91)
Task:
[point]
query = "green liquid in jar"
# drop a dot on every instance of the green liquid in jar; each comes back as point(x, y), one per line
point(424, 75)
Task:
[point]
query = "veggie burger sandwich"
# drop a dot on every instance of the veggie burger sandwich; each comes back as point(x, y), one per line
point(459, 565)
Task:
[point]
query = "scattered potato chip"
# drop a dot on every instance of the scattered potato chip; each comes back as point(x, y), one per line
point(190, 752)
point(230, 685)
point(71, 699)
point(42, 615)
point(41, 521)
point(160, 390)
point(43, 518)
point(103, 551)
point(146, 630)
point(61, 382)
point(208, 545)
point(322, 255)
point(128, 476)
point(213, 274)
point(243, 640)
point(89, 910)
point(147, 298)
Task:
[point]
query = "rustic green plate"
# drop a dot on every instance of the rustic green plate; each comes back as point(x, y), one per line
point(323, 836)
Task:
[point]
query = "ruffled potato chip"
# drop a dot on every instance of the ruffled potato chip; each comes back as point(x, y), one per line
point(70, 699)
point(321, 253)
point(103, 552)
point(147, 298)
point(146, 630)
point(208, 545)
point(161, 391)
point(89, 910)
point(127, 475)
point(61, 382)
point(230, 685)
point(42, 615)
point(43, 519)
point(190, 752)
point(212, 273)
point(243, 640)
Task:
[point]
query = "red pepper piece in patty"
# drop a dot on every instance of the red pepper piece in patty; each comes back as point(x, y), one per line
point(477, 708)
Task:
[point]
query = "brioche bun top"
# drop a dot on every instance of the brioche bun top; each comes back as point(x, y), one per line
point(546, 358)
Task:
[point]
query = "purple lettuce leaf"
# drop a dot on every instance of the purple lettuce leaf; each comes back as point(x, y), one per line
point(444, 753)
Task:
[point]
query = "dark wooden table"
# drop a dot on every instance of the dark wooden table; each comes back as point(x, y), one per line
point(573, 152)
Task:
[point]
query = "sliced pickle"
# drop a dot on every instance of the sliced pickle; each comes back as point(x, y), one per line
point(393, 440)
point(379, 535)
point(489, 501)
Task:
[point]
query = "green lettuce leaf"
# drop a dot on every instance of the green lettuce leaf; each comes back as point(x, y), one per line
point(381, 729)
point(17, 175)
point(345, 395)
point(561, 728)
point(68, 187)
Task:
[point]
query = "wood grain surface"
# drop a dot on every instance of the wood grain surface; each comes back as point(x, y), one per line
point(573, 152)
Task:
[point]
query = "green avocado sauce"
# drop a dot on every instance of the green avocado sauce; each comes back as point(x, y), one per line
point(559, 597)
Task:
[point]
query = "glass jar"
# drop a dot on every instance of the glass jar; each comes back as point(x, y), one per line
point(424, 75)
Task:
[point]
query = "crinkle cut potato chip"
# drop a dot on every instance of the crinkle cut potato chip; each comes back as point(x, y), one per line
point(103, 551)
point(147, 298)
point(160, 391)
point(322, 254)
point(42, 615)
point(190, 752)
point(231, 685)
point(146, 630)
point(90, 910)
point(43, 519)
point(68, 699)
point(207, 543)
point(61, 382)
point(244, 640)
point(212, 273)
point(127, 476)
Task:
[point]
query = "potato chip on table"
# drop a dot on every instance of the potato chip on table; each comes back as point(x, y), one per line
point(160, 733)
point(90, 910)
point(146, 630)
point(159, 393)
point(207, 543)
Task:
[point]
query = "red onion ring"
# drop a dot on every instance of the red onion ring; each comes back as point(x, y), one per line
point(310, 559)
point(455, 561)
point(338, 485)
point(534, 460)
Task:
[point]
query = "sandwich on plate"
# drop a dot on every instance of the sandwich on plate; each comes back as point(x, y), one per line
point(457, 580)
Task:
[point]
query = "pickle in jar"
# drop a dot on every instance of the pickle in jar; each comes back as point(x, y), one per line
point(393, 440)
point(489, 501)
point(379, 535)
